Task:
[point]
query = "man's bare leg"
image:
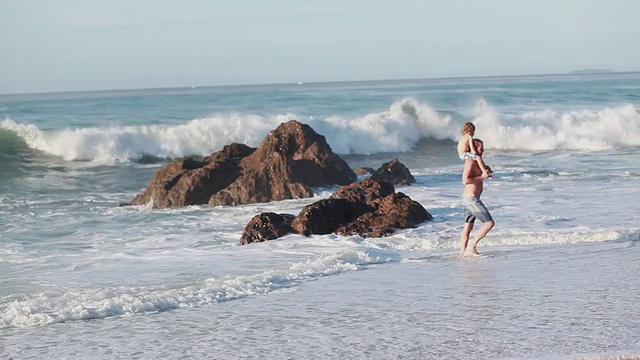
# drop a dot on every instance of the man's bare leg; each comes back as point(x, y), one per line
point(486, 227)
point(464, 237)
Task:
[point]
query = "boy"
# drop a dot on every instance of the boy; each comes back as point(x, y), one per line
point(466, 149)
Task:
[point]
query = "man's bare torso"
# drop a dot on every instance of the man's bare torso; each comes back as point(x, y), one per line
point(474, 188)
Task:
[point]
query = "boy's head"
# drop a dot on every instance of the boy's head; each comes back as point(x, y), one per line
point(468, 128)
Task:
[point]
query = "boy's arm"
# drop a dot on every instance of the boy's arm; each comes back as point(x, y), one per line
point(472, 148)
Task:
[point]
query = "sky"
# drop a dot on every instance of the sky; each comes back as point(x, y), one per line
point(80, 45)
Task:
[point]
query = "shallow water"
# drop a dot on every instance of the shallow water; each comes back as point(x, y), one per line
point(82, 277)
point(562, 302)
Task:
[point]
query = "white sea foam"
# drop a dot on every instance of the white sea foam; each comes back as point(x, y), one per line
point(317, 257)
point(197, 137)
point(549, 130)
point(554, 303)
point(82, 304)
point(397, 129)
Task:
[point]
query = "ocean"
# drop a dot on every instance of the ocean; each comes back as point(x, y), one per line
point(84, 278)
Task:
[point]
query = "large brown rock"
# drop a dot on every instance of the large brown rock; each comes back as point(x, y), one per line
point(188, 182)
point(394, 172)
point(369, 208)
point(266, 226)
point(410, 211)
point(344, 205)
point(396, 211)
point(290, 161)
point(364, 191)
point(323, 216)
point(231, 151)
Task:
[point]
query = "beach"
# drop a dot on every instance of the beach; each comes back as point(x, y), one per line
point(83, 277)
point(549, 302)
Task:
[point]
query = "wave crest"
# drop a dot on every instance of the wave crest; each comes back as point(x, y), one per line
point(397, 129)
point(590, 130)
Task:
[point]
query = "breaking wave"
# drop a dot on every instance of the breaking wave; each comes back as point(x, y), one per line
point(397, 129)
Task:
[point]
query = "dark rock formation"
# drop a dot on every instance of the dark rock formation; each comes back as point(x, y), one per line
point(370, 208)
point(396, 211)
point(344, 205)
point(232, 151)
point(291, 160)
point(365, 191)
point(394, 172)
point(266, 226)
point(323, 216)
point(192, 182)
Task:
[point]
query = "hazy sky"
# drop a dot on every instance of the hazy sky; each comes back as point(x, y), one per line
point(61, 45)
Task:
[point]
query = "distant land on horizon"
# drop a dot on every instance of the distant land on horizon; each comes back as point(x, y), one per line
point(591, 71)
point(303, 83)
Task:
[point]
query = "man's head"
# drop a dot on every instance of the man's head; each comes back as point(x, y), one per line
point(468, 128)
point(479, 146)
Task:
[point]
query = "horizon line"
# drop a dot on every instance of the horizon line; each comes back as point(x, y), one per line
point(300, 83)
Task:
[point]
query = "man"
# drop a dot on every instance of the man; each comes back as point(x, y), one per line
point(472, 178)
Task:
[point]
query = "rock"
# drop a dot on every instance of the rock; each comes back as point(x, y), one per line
point(266, 226)
point(396, 211)
point(323, 216)
point(344, 205)
point(368, 225)
point(231, 151)
point(291, 160)
point(364, 191)
point(369, 208)
point(188, 182)
point(394, 172)
point(411, 211)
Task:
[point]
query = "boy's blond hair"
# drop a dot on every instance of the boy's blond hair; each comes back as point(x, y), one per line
point(468, 128)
